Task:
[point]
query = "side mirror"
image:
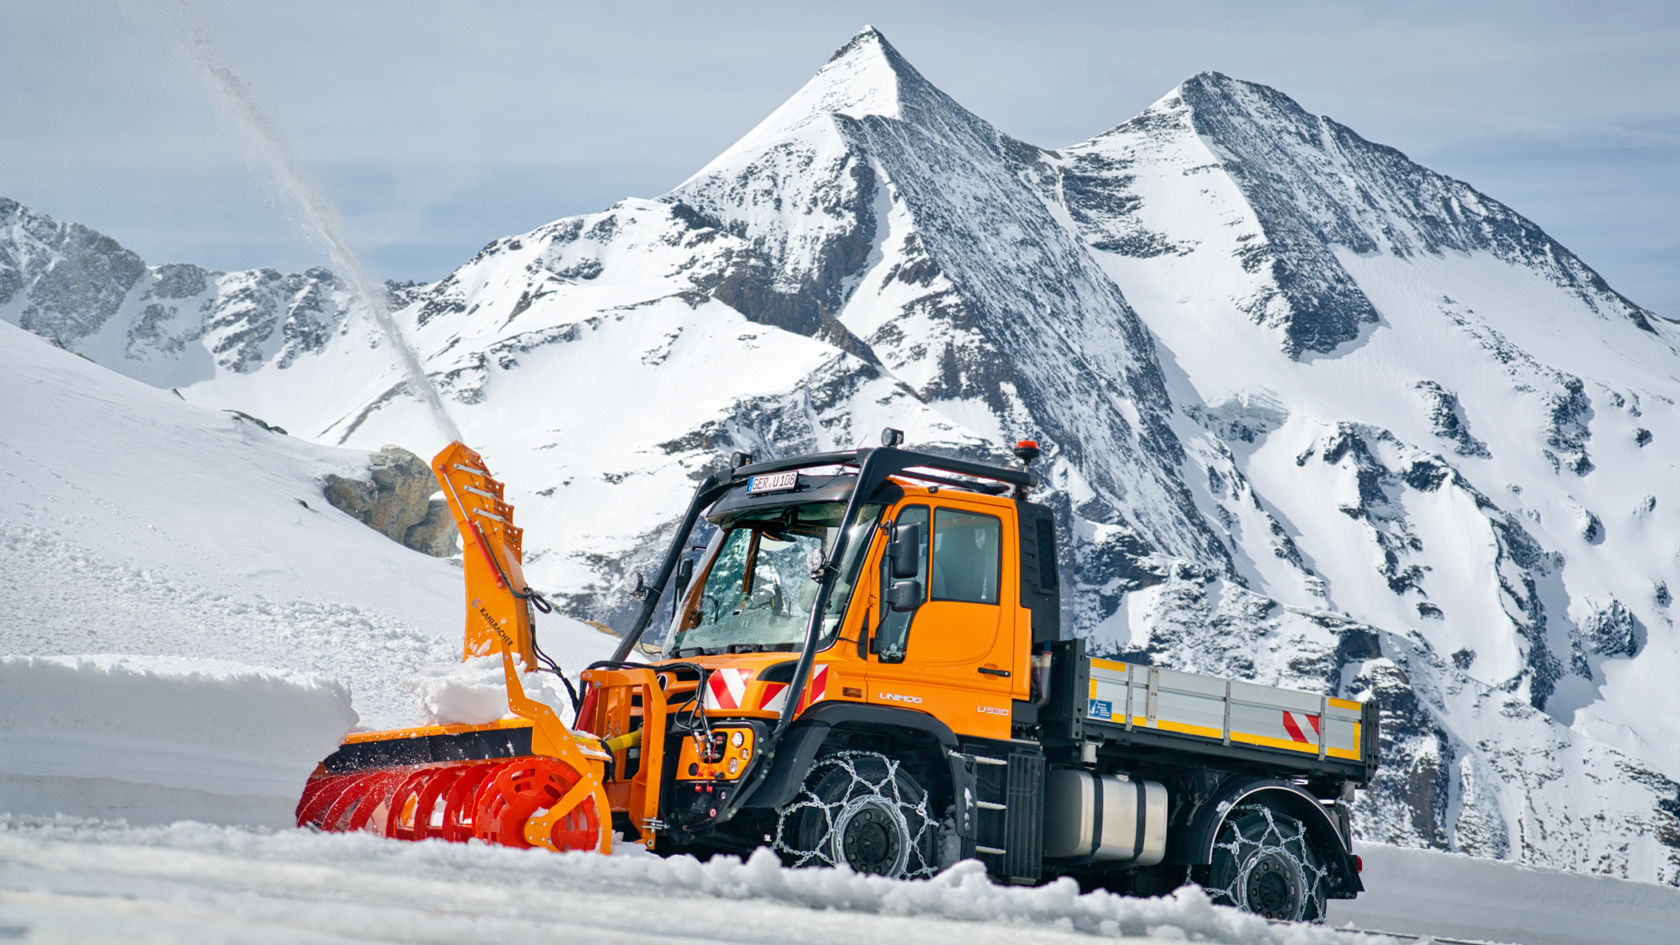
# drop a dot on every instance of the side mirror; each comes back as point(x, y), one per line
point(685, 574)
point(904, 552)
point(904, 596)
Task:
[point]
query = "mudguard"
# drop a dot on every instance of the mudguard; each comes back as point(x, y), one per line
point(805, 737)
point(1194, 842)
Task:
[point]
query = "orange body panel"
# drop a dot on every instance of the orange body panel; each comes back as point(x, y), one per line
point(726, 767)
point(630, 701)
point(950, 642)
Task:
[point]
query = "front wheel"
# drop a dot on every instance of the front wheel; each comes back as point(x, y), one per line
point(862, 809)
point(1264, 862)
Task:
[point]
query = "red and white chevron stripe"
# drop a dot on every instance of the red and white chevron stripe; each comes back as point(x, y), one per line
point(726, 687)
point(1297, 732)
point(775, 694)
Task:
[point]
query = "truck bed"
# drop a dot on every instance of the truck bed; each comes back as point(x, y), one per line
point(1155, 708)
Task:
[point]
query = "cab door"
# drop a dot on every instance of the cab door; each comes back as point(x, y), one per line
point(953, 654)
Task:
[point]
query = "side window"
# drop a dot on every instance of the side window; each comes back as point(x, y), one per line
point(965, 556)
point(891, 636)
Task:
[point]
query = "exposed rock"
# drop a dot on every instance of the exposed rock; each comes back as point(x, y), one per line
point(260, 422)
point(396, 502)
point(1446, 416)
point(1613, 630)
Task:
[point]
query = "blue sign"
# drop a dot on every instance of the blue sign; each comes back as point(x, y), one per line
point(1101, 709)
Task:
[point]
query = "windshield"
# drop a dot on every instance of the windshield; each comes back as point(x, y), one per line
point(759, 591)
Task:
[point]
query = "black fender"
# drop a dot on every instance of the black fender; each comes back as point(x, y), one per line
point(1194, 843)
point(800, 744)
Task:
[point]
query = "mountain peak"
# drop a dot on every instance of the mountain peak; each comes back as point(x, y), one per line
point(1211, 92)
point(864, 78)
point(867, 40)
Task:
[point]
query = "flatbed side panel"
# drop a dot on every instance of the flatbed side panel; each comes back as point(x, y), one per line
point(1224, 711)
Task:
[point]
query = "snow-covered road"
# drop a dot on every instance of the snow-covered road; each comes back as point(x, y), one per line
point(64, 880)
point(88, 882)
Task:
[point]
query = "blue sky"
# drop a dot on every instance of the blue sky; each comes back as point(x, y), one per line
point(437, 127)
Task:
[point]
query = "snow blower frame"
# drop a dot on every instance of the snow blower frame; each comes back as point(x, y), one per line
point(528, 781)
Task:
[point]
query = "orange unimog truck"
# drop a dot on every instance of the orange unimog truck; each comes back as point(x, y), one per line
point(865, 666)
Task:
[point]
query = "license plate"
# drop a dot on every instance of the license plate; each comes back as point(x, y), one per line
point(773, 482)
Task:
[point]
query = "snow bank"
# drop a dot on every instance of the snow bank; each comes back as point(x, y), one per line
point(157, 739)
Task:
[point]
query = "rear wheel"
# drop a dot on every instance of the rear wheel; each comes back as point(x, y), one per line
point(864, 810)
point(1264, 862)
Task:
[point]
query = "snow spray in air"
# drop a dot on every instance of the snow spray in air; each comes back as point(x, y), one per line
point(236, 96)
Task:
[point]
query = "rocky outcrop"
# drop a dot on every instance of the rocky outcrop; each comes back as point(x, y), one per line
point(396, 501)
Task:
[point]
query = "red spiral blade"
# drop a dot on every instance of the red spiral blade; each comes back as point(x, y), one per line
point(436, 801)
point(340, 803)
point(454, 801)
point(524, 787)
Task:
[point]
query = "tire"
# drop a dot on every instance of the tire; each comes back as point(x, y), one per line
point(863, 810)
point(1264, 862)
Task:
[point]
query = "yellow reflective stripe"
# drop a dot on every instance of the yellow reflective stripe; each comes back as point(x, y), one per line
point(1285, 743)
point(1358, 742)
point(1345, 704)
point(1201, 730)
point(1109, 664)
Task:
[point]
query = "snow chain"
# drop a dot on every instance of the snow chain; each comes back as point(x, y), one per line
point(873, 798)
point(1272, 845)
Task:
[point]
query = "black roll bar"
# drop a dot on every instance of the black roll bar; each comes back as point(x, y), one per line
point(878, 463)
point(709, 491)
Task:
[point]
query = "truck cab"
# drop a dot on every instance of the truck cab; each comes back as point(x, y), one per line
point(940, 637)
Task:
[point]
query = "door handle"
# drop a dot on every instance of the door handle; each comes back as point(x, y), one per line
point(994, 672)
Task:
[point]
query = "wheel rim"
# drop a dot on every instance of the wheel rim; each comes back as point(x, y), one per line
point(872, 836)
point(1273, 884)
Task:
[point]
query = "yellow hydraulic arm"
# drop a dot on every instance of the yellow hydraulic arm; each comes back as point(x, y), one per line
point(499, 618)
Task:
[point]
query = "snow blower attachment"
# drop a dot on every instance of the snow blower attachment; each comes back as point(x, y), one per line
point(520, 782)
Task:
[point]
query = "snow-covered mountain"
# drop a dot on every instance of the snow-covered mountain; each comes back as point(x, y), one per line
point(167, 325)
point(1312, 414)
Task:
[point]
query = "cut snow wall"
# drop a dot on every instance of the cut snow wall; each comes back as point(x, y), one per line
point(155, 740)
